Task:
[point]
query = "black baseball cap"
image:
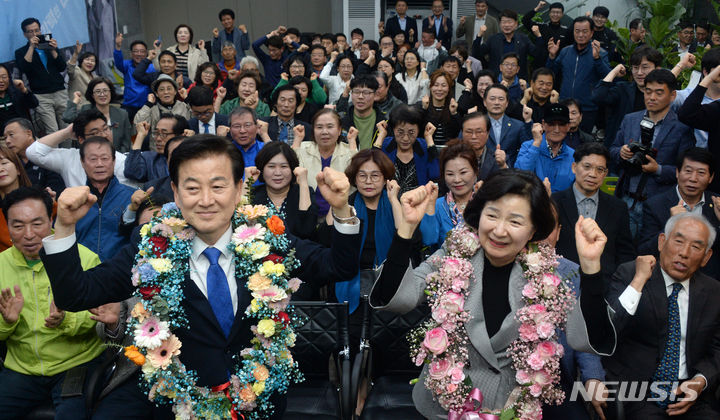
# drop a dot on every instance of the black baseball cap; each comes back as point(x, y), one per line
point(557, 112)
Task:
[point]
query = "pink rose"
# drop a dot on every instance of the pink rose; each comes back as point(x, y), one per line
point(536, 309)
point(529, 292)
point(439, 314)
point(453, 302)
point(550, 279)
point(528, 332)
point(541, 377)
point(439, 368)
point(456, 375)
point(451, 388)
point(546, 349)
point(535, 390)
point(419, 359)
point(449, 325)
point(545, 329)
point(459, 284)
point(536, 361)
point(294, 284)
point(522, 377)
point(436, 340)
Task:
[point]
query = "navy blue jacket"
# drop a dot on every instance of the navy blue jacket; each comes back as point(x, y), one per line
point(220, 119)
point(704, 117)
point(672, 138)
point(619, 100)
point(446, 32)
point(42, 79)
point(512, 135)
point(495, 49)
point(145, 166)
point(426, 161)
point(392, 28)
point(580, 73)
point(98, 229)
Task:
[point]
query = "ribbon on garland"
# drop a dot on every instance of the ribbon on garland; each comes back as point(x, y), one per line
point(471, 410)
point(226, 389)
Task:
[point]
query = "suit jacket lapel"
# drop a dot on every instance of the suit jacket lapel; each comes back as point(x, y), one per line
point(195, 297)
point(602, 214)
point(475, 327)
point(243, 298)
point(658, 301)
point(695, 304)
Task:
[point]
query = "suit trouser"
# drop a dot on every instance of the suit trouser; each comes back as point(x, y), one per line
point(48, 114)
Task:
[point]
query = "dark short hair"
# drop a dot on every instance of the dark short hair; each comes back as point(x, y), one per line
point(326, 111)
point(685, 24)
point(373, 45)
point(27, 22)
point(516, 182)
point(591, 148)
point(344, 56)
point(251, 74)
point(272, 149)
point(27, 193)
point(317, 47)
point(429, 31)
point(88, 54)
point(204, 66)
point(510, 55)
point(172, 140)
point(710, 59)
point(635, 23)
point(451, 59)
point(581, 19)
point(542, 71)
point(475, 115)
point(601, 11)
point(460, 49)
point(376, 155)
point(497, 86)
point(404, 113)
point(168, 53)
point(329, 36)
point(96, 140)
point(96, 81)
point(568, 102)
point(297, 59)
point(508, 13)
point(647, 52)
point(180, 26)
point(275, 41)
point(357, 31)
point(380, 74)
point(180, 125)
point(200, 96)
point(364, 80)
point(340, 34)
point(226, 12)
point(457, 148)
point(662, 76)
point(24, 123)
point(294, 81)
point(137, 42)
point(202, 146)
point(84, 118)
point(285, 88)
point(293, 31)
point(697, 154)
point(556, 5)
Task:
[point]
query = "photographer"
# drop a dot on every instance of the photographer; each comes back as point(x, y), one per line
point(647, 145)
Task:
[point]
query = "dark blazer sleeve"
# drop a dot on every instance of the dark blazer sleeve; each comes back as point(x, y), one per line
point(625, 246)
point(320, 265)
point(77, 290)
point(655, 214)
point(696, 115)
point(140, 74)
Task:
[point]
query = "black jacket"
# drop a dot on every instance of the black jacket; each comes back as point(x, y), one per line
point(704, 117)
point(300, 223)
point(392, 28)
point(42, 79)
point(612, 217)
point(494, 48)
point(21, 102)
point(618, 99)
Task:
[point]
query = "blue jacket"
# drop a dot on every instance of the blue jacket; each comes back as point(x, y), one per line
point(672, 138)
point(580, 73)
point(434, 228)
point(512, 134)
point(558, 169)
point(135, 92)
point(273, 68)
point(145, 166)
point(426, 161)
point(98, 229)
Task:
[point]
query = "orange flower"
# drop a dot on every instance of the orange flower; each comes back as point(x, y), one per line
point(133, 353)
point(276, 225)
point(247, 394)
point(260, 373)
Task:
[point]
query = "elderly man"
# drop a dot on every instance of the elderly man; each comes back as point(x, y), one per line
point(248, 133)
point(476, 132)
point(45, 345)
point(206, 174)
point(19, 135)
point(665, 316)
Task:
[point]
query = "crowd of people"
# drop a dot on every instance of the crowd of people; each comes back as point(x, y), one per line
point(435, 125)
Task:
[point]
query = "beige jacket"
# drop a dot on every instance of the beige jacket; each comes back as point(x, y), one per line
point(196, 57)
point(309, 157)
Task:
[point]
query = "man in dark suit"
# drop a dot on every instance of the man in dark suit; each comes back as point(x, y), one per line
point(585, 198)
point(440, 23)
point(204, 119)
point(401, 23)
point(206, 174)
point(648, 176)
point(469, 26)
point(281, 127)
point(508, 132)
point(508, 40)
point(664, 325)
point(475, 131)
point(694, 172)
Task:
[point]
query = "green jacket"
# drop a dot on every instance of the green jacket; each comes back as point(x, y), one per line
point(34, 349)
point(262, 110)
point(318, 96)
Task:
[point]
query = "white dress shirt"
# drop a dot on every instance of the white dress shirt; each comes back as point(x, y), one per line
point(630, 298)
point(211, 126)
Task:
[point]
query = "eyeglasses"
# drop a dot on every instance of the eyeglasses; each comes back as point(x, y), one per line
point(162, 133)
point(297, 66)
point(345, 66)
point(101, 92)
point(410, 134)
point(373, 176)
point(4, 77)
point(509, 65)
point(208, 73)
point(366, 92)
point(97, 131)
point(599, 169)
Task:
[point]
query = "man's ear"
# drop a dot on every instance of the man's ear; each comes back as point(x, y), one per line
point(661, 241)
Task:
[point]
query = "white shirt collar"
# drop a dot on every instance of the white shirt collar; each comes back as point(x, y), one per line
point(669, 281)
point(198, 245)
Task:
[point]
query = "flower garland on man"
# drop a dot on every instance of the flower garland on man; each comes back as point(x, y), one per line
point(209, 361)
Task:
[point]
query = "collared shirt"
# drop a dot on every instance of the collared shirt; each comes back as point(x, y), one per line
point(697, 209)
point(478, 23)
point(438, 23)
point(290, 133)
point(630, 298)
point(250, 153)
point(587, 206)
point(402, 22)
point(496, 127)
point(199, 264)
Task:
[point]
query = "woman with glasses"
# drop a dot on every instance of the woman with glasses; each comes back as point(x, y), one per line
point(208, 75)
point(99, 94)
point(440, 107)
point(411, 150)
point(413, 78)
point(326, 149)
point(80, 71)
point(336, 84)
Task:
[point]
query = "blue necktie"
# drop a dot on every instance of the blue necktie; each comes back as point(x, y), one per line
point(206, 126)
point(667, 370)
point(219, 291)
point(283, 134)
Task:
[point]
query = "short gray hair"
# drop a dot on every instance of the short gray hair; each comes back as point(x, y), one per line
point(670, 225)
point(250, 59)
point(228, 44)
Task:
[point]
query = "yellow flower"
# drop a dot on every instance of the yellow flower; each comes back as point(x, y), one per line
point(258, 387)
point(161, 265)
point(269, 267)
point(291, 339)
point(266, 327)
point(257, 250)
point(175, 223)
point(261, 373)
point(254, 305)
point(138, 312)
point(253, 212)
point(258, 282)
point(145, 230)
